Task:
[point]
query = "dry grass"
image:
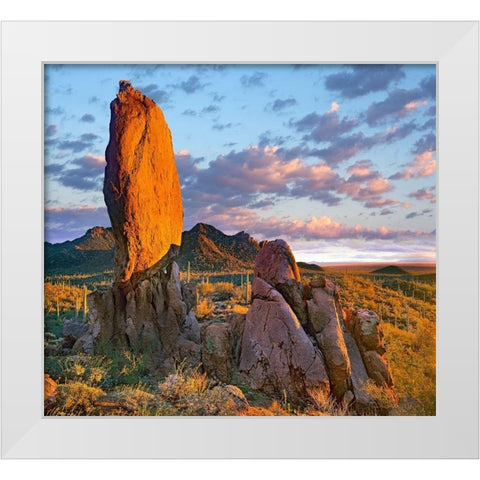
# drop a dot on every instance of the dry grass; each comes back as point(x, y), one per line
point(205, 308)
point(240, 309)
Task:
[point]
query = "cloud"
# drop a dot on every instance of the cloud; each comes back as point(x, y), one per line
point(367, 185)
point(363, 79)
point(50, 130)
point(74, 145)
point(189, 112)
point(220, 126)
point(54, 110)
point(87, 117)
point(53, 169)
point(432, 124)
point(401, 102)
point(343, 147)
point(253, 80)
point(84, 142)
point(314, 229)
point(154, 92)
point(386, 211)
point(280, 104)
point(422, 194)
point(93, 99)
point(398, 104)
point(245, 177)
point(210, 109)
point(63, 224)
point(187, 166)
point(191, 85)
point(429, 86)
point(217, 98)
point(86, 174)
point(262, 204)
point(423, 164)
point(325, 127)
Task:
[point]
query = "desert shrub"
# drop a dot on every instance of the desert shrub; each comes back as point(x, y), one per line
point(205, 308)
point(189, 392)
point(240, 309)
point(114, 367)
point(324, 404)
point(76, 399)
point(384, 398)
point(204, 289)
point(134, 399)
point(224, 290)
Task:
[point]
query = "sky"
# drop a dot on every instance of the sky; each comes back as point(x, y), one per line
point(338, 160)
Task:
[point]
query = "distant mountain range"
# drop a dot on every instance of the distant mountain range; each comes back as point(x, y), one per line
point(205, 247)
point(391, 270)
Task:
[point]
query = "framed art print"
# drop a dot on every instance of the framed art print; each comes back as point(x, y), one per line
point(257, 239)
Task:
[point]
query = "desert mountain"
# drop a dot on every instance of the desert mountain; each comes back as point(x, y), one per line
point(309, 267)
point(205, 247)
point(209, 249)
point(391, 270)
point(92, 252)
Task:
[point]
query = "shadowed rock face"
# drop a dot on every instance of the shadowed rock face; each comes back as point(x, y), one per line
point(277, 356)
point(276, 265)
point(141, 186)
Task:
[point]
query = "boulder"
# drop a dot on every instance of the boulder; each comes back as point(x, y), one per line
point(276, 355)
point(84, 345)
point(217, 351)
point(359, 376)
point(75, 329)
point(276, 265)
point(324, 323)
point(231, 398)
point(49, 386)
point(237, 325)
point(189, 295)
point(191, 328)
point(367, 331)
point(141, 186)
point(378, 368)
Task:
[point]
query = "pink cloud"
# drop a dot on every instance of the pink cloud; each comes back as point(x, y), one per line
point(422, 194)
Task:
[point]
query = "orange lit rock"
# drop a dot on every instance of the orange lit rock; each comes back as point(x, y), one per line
point(141, 186)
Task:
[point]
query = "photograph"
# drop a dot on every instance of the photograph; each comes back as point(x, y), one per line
point(239, 239)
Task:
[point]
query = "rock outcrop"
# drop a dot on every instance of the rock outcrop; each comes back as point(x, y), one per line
point(141, 185)
point(276, 265)
point(325, 323)
point(367, 331)
point(325, 352)
point(217, 351)
point(277, 356)
point(145, 309)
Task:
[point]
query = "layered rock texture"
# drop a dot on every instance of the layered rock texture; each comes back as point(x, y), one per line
point(297, 339)
point(141, 186)
point(145, 309)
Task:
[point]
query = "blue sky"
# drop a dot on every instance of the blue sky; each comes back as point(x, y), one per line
point(339, 160)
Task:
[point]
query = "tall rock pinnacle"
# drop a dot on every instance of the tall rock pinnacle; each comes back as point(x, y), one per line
point(141, 186)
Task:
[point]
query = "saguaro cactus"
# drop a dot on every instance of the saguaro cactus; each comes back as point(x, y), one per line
point(85, 307)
